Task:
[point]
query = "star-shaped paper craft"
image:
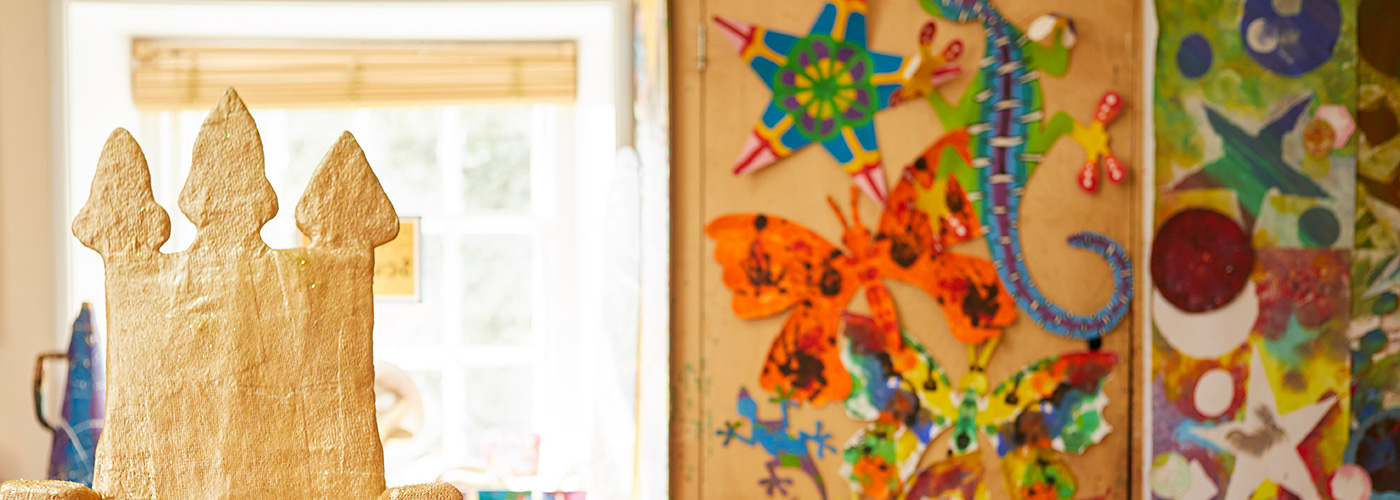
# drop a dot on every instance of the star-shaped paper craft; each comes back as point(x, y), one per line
point(1252, 164)
point(1265, 444)
point(827, 88)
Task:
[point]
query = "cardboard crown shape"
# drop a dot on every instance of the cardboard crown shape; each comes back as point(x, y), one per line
point(236, 371)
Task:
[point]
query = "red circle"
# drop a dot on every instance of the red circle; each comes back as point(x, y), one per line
point(1201, 260)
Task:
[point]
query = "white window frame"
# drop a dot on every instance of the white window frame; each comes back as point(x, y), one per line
point(96, 97)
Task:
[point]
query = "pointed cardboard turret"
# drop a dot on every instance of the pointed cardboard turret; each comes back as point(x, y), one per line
point(227, 195)
point(344, 205)
point(121, 214)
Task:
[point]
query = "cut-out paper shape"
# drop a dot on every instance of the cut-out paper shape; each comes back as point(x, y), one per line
point(1038, 473)
point(1054, 404)
point(1201, 259)
point(1265, 443)
point(1193, 56)
point(928, 69)
point(1002, 112)
point(1303, 222)
point(1171, 475)
point(827, 87)
point(1202, 485)
point(1215, 390)
point(1350, 482)
point(1339, 118)
point(1210, 334)
point(1293, 40)
point(773, 265)
point(883, 455)
point(957, 477)
point(1253, 164)
point(777, 439)
point(1094, 139)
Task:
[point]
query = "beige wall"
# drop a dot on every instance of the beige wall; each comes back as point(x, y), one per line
point(29, 258)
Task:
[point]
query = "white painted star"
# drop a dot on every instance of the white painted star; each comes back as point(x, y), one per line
point(1265, 444)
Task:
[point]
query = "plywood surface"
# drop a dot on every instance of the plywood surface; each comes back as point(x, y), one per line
point(715, 352)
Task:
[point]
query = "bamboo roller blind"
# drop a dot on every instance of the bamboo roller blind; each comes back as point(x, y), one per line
point(185, 74)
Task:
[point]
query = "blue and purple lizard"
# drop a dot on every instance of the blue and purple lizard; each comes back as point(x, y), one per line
point(1002, 110)
point(775, 438)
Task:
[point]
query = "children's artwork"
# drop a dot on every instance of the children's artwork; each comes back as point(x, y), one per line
point(777, 438)
point(1256, 179)
point(774, 265)
point(1052, 406)
point(1249, 385)
point(827, 87)
point(1002, 112)
point(79, 425)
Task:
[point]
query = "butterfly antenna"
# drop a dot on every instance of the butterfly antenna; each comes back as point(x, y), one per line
point(837, 208)
point(855, 205)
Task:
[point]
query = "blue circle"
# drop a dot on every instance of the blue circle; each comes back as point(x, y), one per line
point(1373, 342)
point(1386, 303)
point(1318, 228)
point(1294, 43)
point(1193, 56)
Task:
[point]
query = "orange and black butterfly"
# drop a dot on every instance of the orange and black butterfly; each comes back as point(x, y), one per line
point(773, 265)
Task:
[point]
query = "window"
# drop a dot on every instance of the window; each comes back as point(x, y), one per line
point(511, 335)
point(478, 179)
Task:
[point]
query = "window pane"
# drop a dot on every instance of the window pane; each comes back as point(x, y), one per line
point(496, 158)
point(404, 157)
point(417, 436)
point(498, 270)
point(499, 399)
point(310, 134)
point(416, 324)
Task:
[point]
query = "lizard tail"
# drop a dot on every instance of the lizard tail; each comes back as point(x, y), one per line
point(809, 466)
point(1064, 323)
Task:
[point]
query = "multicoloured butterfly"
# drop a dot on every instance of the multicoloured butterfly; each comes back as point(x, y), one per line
point(773, 265)
point(1053, 405)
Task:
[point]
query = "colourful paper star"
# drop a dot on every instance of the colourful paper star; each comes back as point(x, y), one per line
point(827, 88)
point(1265, 443)
point(1252, 164)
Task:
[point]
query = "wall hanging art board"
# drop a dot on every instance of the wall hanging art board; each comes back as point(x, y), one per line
point(1256, 181)
point(717, 353)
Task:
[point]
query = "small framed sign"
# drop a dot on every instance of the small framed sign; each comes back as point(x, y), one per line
point(396, 273)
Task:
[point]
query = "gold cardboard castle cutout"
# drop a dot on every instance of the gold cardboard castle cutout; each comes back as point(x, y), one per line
point(236, 371)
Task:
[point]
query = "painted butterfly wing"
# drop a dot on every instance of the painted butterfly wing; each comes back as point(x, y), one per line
point(927, 186)
point(804, 362)
point(1054, 403)
point(955, 477)
point(1037, 473)
point(919, 396)
point(906, 409)
point(926, 214)
point(772, 264)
